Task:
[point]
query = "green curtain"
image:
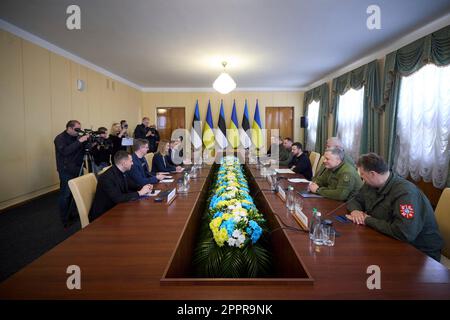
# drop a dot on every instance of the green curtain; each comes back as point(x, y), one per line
point(368, 76)
point(434, 48)
point(321, 94)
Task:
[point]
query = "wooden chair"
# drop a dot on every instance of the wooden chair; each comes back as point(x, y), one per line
point(149, 158)
point(319, 165)
point(83, 191)
point(314, 159)
point(442, 213)
point(103, 170)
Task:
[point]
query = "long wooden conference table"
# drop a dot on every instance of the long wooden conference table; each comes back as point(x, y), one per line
point(124, 254)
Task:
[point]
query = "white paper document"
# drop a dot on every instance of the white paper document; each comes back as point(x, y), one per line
point(298, 180)
point(284, 171)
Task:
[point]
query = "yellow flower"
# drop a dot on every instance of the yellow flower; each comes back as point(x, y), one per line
point(226, 216)
point(220, 237)
point(215, 223)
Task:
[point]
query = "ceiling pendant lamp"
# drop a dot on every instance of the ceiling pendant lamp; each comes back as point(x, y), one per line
point(224, 83)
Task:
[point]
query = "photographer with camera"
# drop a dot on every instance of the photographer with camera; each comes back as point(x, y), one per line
point(69, 151)
point(115, 136)
point(144, 131)
point(101, 150)
point(124, 126)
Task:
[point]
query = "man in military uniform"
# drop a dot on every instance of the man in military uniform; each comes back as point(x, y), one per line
point(335, 142)
point(394, 206)
point(340, 180)
point(283, 153)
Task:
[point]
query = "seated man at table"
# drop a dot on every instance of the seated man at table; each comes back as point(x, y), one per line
point(161, 159)
point(140, 172)
point(339, 181)
point(114, 186)
point(335, 142)
point(300, 162)
point(283, 153)
point(394, 206)
point(287, 144)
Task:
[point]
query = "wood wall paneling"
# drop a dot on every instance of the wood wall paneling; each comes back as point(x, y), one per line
point(12, 125)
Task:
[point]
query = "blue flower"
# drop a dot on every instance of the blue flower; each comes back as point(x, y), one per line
point(256, 231)
point(229, 225)
point(217, 214)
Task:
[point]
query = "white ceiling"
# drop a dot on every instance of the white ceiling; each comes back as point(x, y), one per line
point(180, 43)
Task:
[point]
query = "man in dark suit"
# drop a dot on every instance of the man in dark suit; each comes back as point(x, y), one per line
point(114, 186)
point(140, 172)
point(300, 162)
point(69, 151)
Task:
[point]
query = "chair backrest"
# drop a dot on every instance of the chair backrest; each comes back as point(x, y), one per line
point(443, 219)
point(103, 170)
point(149, 158)
point(83, 191)
point(314, 159)
point(322, 158)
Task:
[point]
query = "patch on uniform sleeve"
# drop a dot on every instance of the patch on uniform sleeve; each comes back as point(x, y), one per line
point(407, 211)
point(346, 177)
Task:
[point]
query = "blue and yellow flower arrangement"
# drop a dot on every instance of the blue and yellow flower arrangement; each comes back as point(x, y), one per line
point(231, 238)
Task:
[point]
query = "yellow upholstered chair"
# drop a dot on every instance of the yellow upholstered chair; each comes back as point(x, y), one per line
point(149, 158)
point(83, 191)
point(322, 158)
point(103, 170)
point(314, 159)
point(443, 220)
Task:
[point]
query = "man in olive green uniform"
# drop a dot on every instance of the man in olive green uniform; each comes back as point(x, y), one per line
point(394, 206)
point(340, 180)
point(283, 153)
point(335, 142)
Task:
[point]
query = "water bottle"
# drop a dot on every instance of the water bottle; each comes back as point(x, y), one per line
point(312, 222)
point(290, 201)
point(186, 181)
point(318, 230)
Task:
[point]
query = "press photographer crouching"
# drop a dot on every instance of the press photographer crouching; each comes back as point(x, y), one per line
point(69, 151)
point(101, 150)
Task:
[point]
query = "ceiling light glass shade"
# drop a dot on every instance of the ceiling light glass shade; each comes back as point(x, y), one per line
point(224, 83)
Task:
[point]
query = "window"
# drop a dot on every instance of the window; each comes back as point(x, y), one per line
point(349, 120)
point(423, 125)
point(312, 116)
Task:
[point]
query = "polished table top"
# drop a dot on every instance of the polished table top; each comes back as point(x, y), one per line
point(123, 254)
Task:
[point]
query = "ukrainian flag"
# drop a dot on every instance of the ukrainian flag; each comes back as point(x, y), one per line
point(257, 137)
point(233, 131)
point(208, 129)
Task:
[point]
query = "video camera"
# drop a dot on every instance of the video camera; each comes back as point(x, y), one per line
point(94, 137)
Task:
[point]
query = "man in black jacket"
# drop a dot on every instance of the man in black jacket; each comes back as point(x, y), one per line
point(300, 162)
point(144, 131)
point(69, 151)
point(114, 186)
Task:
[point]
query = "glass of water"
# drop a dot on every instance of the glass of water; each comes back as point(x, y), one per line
point(298, 203)
point(329, 236)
